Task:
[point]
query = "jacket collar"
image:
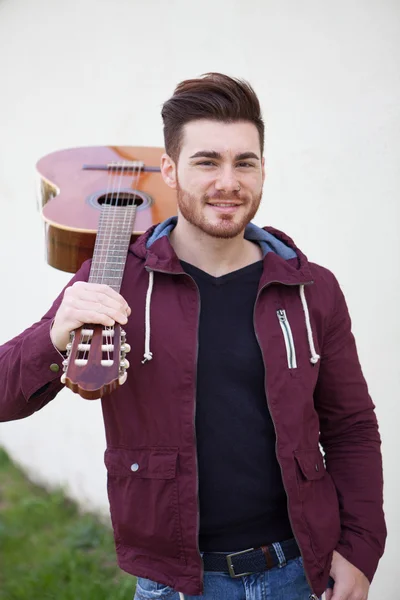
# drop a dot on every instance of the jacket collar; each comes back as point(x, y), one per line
point(283, 261)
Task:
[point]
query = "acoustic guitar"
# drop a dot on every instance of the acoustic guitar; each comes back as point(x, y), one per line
point(95, 201)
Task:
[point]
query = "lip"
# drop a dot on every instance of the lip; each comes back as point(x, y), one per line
point(228, 208)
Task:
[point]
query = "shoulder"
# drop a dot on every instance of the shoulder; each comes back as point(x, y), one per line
point(325, 297)
point(323, 277)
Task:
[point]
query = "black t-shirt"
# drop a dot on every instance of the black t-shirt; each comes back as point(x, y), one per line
point(242, 500)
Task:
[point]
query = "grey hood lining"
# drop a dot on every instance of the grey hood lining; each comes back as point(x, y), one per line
point(267, 241)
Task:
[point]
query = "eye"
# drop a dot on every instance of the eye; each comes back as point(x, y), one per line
point(245, 165)
point(206, 163)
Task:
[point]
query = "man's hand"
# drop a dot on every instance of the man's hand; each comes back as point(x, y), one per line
point(350, 582)
point(87, 303)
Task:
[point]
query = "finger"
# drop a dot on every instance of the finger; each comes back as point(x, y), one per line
point(328, 594)
point(78, 317)
point(105, 314)
point(115, 312)
point(75, 317)
point(90, 300)
point(102, 292)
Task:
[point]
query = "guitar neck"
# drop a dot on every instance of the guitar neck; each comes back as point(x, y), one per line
point(116, 224)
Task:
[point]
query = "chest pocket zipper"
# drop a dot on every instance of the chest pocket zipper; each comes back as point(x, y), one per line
point(288, 337)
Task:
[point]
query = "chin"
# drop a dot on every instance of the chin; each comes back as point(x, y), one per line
point(223, 230)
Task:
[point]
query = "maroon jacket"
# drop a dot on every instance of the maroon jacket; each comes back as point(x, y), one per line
point(315, 390)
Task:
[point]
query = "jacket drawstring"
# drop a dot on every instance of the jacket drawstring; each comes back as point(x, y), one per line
point(181, 596)
point(148, 355)
point(314, 356)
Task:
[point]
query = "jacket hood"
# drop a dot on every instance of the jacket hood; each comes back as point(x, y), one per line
point(283, 263)
point(285, 260)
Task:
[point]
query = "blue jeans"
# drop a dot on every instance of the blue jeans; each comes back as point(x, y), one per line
point(280, 583)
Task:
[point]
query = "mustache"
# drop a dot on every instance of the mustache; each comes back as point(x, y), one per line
point(235, 195)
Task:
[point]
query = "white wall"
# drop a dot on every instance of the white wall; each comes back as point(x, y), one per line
point(95, 72)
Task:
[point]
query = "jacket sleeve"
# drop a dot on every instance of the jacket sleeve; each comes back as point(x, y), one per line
point(30, 366)
point(351, 442)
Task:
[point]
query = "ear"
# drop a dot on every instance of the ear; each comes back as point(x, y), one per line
point(263, 169)
point(168, 171)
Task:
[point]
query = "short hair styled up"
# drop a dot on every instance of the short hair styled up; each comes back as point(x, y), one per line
point(212, 96)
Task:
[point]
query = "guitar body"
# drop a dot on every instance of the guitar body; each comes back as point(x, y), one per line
point(71, 197)
point(95, 201)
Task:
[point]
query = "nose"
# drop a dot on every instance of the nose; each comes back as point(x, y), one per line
point(227, 180)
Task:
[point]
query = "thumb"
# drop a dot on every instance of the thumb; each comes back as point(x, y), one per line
point(328, 594)
point(339, 593)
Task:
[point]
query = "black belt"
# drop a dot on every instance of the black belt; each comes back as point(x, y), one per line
point(246, 562)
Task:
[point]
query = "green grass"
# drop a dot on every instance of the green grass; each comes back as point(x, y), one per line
point(48, 551)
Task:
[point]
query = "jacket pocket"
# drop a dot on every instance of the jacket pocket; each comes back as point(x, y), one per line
point(143, 494)
point(288, 338)
point(320, 505)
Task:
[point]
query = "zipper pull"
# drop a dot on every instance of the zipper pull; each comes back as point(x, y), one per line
point(281, 315)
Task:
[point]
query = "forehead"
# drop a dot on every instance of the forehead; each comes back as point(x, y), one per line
point(225, 138)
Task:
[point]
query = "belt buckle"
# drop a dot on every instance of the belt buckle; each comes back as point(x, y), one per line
point(230, 565)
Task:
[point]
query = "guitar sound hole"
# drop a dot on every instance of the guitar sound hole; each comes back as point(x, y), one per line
point(120, 199)
point(125, 197)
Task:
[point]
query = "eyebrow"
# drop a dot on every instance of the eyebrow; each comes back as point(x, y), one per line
point(218, 155)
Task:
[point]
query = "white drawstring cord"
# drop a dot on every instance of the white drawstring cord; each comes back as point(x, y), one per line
point(181, 596)
point(314, 356)
point(147, 354)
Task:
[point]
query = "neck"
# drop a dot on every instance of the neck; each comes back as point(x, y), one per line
point(216, 256)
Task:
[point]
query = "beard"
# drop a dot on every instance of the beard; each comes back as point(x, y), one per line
point(223, 226)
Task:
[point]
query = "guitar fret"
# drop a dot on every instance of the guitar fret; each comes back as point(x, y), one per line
point(116, 263)
point(112, 242)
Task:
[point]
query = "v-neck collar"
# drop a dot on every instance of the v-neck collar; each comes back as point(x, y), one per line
point(253, 267)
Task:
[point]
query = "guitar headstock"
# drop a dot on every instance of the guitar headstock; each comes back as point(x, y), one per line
point(96, 363)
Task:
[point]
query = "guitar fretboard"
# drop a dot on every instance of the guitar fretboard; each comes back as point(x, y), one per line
point(112, 242)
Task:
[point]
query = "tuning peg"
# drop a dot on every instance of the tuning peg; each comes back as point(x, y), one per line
point(63, 378)
point(124, 364)
point(123, 378)
point(125, 348)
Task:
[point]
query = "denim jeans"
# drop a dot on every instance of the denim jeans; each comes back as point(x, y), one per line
point(280, 583)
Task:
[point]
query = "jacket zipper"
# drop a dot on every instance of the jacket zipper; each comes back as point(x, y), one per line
point(272, 419)
point(276, 437)
point(288, 337)
point(194, 418)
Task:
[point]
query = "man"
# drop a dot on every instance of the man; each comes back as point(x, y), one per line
point(217, 485)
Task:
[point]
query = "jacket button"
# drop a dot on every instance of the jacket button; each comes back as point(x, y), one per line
point(54, 367)
point(135, 467)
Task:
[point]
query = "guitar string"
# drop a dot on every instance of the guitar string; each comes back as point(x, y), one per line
point(86, 338)
point(117, 225)
point(105, 228)
point(99, 248)
point(128, 214)
point(111, 238)
point(107, 241)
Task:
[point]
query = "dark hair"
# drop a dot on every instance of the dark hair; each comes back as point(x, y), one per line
point(212, 96)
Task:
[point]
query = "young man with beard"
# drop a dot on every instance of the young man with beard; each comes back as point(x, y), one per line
point(217, 485)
